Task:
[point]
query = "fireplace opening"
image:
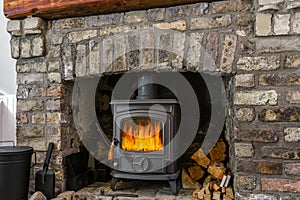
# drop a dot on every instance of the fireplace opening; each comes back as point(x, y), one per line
point(108, 82)
point(138, 133)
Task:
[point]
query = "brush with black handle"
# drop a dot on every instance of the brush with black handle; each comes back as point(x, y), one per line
point(45, 179)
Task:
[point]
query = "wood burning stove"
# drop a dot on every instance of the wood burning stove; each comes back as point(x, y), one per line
point(143, 131)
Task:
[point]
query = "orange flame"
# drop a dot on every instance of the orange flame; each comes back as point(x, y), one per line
point(142, 135)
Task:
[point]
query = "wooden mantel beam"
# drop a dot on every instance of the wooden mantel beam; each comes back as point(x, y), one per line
point(56, 9)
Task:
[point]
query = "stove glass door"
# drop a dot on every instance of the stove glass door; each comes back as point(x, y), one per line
point(141, 134)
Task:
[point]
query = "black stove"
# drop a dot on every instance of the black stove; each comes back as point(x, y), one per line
point(143, 131)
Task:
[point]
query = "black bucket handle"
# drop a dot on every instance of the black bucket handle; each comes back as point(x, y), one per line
point(9, 141)
point(34, 159)
point(33, 164)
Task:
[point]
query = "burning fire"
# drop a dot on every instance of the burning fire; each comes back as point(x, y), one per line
point(142, 135)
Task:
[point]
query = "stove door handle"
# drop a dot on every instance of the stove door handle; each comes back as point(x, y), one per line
point(116, 141)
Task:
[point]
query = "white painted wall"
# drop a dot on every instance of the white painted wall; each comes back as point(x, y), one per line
point(7, 85)
point(7, 118)
point(7, 64)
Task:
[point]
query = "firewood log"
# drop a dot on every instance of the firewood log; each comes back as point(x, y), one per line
point(226, 197)
point(207, 181)
point(207, 190)
point(229, 192)
point(216, 195)
point(216, 186)
point(217, 169)
point(187, 182)
point(195, 193)
point(200, 158)
point(201, 194)
point(218, 153)
point(223, 190)
point(207, 196)
point(196, 172)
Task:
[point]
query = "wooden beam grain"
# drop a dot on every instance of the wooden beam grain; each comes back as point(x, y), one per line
point(56, 9)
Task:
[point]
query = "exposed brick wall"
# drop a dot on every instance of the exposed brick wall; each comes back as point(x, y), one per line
point(266, 131)
point(255, 42)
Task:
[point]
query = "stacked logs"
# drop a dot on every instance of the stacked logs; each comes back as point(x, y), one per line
point(208, 175)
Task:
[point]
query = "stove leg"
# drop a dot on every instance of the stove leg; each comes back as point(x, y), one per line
point(173, 185)
point(113, 183)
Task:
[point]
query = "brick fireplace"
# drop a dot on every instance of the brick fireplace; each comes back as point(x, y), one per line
point(254, 45)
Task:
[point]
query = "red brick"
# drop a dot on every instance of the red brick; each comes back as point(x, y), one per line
point(53, 131)
point(259, 167)
point(286, 114)
point(37, 91)
point(244, 19)
point(230, 6)
point(247, 47)
point(280, 152)
point(212, 45)
point(293, 97)
point(256, 135)
point(53, 105)
point(280, 185)
point(30, 131)
point(24, 105)
point(292, 169)
point(279, 79)
point(55, 91)
point(22, 118)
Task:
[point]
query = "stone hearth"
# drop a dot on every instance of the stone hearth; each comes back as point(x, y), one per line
point(146, 190)
point(252, 45)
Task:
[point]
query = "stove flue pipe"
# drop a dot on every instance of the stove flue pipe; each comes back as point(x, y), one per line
point(146, 88)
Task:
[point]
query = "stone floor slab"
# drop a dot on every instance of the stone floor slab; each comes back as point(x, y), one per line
point(146, 190)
